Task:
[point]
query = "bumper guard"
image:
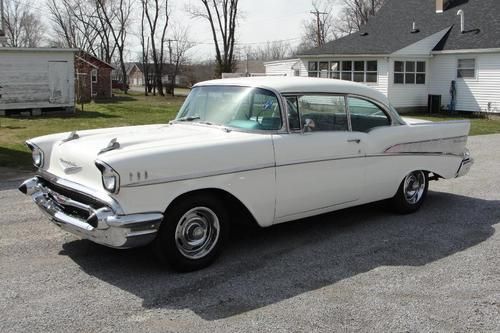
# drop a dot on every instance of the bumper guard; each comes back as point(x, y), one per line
point(100, 225)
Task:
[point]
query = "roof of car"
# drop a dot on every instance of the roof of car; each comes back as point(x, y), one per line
point(286, 84)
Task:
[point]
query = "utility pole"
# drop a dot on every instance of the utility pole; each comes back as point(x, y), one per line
point(170, 49)
point(319, 32)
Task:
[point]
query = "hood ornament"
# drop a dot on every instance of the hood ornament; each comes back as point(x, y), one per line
point(72, 136)
point(69, 167)
point(112, 145)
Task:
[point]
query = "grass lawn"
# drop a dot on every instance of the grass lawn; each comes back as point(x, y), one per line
point(479, 126)
point(133, 109)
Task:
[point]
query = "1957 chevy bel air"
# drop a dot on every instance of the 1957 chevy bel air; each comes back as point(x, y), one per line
point(278, 149)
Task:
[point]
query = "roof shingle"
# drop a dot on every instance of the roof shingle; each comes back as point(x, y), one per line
point(390, 30)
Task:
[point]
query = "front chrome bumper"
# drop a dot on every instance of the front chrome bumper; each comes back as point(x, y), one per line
point(92, 219)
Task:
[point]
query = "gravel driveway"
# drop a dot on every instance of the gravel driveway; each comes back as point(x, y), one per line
point(361, 269)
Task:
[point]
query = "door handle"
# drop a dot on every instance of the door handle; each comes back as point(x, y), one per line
point(354, 140)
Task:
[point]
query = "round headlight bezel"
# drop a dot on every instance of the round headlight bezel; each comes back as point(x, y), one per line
point(109, 177)
point(37, 154)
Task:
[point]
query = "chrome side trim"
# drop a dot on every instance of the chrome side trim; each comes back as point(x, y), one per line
point(81, 189)
point(199, 175)
point(267, 166)
point(416, 146)
point(318, 209)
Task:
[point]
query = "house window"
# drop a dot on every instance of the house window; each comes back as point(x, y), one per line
point(466, 68)
point(409, 72)
point(349, 70)
point(93, 74)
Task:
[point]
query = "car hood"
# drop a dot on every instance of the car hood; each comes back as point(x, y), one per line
point(142, 152)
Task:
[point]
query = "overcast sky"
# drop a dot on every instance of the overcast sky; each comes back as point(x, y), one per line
point(260, 21)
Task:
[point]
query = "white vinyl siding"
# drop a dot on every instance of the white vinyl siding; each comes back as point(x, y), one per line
point(481, 93)
point(408, 95)
point(31, 78)
point(284, 68)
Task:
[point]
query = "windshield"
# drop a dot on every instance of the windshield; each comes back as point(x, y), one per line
point(238, 107)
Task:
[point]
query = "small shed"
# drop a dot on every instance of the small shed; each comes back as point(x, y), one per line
point(286, 67)
point(33, 80)
point(93, 78)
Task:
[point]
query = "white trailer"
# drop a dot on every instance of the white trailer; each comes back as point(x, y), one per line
point(36, 79)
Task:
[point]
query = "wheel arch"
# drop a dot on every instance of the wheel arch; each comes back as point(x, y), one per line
point(238, 211)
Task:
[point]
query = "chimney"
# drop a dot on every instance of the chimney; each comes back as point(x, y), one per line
point(439, 6)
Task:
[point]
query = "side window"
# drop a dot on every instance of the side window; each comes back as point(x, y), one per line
point(366, 115)
point(265, 110)
point(323, 113)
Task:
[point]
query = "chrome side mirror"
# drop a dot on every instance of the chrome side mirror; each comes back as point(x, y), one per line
point(309, 125)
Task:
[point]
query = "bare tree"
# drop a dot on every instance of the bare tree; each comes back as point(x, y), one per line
point(320, 29)
point(116, 17)
point(23, 28)
point(355, 14)
point(157, 16)
point(79, 24)
point(145, 52)
point(326, 25)
point(178, 53)
point(274, 50)
point(222, 16)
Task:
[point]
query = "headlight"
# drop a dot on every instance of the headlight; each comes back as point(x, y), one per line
point(37, 154)
point(110, 178)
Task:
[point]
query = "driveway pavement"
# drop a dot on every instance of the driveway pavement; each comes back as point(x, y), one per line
point(361, 269)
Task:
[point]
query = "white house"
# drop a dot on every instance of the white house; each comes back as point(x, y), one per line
point(415, 48)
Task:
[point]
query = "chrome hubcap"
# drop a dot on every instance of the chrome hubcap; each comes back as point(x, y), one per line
point(414, 186)
point(197, 232)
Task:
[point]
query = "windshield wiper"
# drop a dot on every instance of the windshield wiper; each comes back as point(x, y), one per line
point(189, 118)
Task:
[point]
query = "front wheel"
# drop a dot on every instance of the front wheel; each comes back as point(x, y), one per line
point(411, 193)
point(192, 234)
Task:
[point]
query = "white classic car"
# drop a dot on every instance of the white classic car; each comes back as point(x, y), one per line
point(278, 149)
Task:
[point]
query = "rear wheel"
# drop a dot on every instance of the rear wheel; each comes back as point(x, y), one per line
point(192, 234)
point(411, 192)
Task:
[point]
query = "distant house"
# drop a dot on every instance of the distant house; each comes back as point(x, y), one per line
point(93, 78)
point(415, 48)
point(135, 74)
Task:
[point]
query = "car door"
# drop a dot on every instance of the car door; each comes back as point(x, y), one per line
point(372, 125)
point(319, 166)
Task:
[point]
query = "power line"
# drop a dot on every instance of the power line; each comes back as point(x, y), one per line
point(251, 43)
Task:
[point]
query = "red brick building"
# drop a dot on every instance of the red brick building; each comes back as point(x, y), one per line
point(93, 78)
